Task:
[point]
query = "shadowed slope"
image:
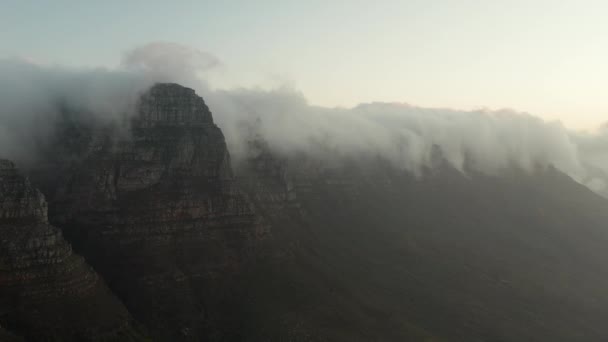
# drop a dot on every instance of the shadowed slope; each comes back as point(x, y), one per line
point(46, 291)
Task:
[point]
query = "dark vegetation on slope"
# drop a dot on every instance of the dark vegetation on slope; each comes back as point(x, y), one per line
point(464, 257)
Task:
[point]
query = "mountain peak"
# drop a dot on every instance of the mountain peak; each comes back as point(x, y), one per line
point(19, 200)
point(163, 87)
point(171, 104)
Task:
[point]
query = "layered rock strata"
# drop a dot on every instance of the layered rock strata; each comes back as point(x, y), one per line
point(158, 215)
point(46, 290)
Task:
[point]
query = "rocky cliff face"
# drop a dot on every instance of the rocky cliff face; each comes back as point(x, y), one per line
point(359, 250)
point(46, 290)
point(157, 214)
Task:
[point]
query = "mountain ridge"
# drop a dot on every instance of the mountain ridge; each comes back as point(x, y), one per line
point(39, 273)
point(290, 248)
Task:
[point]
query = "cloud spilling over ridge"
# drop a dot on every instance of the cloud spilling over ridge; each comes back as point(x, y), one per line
point(488, 141)
point(33, 97)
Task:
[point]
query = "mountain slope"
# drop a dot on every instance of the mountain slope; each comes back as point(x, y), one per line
point(300, 248)
point(46, 291)
point(156, 213)
point(516, 258)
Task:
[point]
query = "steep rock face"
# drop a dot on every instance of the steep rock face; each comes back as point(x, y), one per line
point(46, 291)
point(173, 105)
point(158, 215)
point(267, 181)
point(360, 250)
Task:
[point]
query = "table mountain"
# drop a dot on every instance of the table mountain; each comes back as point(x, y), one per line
point(288, 247)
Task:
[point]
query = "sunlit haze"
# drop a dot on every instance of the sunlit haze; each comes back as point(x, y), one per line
point(547, 58)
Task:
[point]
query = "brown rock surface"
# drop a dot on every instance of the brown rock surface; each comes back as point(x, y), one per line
point(158, 215)
point(360, 250)
point(46, 290)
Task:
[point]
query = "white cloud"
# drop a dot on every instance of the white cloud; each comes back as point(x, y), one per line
point(489, 141)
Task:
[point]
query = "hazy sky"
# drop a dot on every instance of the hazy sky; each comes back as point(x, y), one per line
point(549, 58)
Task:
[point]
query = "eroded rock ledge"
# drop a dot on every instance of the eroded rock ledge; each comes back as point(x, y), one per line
point(47, 291)
point(158, 214)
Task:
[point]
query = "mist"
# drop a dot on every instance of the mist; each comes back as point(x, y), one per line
point(490, 141)
point(34, 97)
point(483, 140)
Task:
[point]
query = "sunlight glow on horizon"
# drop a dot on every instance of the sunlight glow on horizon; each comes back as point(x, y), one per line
point(540, 57)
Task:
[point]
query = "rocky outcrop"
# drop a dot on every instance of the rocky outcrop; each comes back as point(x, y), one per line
point(172, 105)
point(157, 213)
point(360, 250)
point(46, 290)
point(266, 180)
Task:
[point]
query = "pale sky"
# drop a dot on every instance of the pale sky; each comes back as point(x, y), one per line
point(549, 58)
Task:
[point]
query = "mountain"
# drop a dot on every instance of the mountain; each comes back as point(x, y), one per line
point(156, 212)
point(449, 256)
point(47, 291)
point(186, 245)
